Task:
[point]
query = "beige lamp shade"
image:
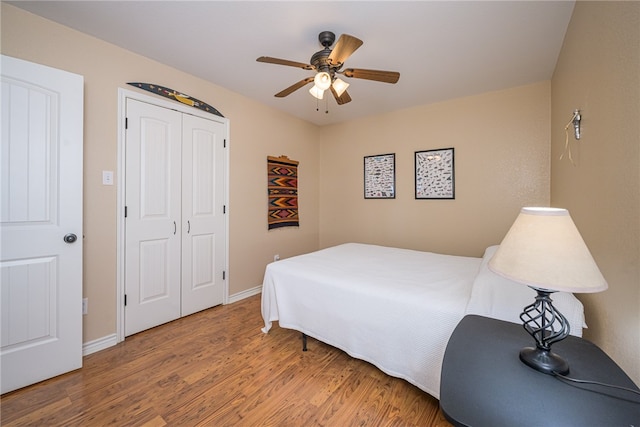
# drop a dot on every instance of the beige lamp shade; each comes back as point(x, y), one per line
point(544, 249)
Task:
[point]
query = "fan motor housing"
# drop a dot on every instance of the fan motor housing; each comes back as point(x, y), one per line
point(326, 38)
point(320, 60)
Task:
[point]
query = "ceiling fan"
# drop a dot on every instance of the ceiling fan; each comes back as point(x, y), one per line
point(327, 64)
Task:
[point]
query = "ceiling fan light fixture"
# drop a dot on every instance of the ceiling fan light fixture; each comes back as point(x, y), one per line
point(328, 62)
point(340, 86)
point(322, 80)
point(318, 93)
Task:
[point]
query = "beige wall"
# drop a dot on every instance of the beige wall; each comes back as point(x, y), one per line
point(501, 142)
point(502, 163)
point(255, 132)
point(598, 71)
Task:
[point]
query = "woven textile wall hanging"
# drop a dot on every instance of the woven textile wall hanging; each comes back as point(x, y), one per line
point(283, 192)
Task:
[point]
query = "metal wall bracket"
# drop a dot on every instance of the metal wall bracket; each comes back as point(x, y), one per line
point(576, 124)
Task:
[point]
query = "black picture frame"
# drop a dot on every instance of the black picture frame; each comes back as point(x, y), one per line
point(435, 174)
point(380, 176)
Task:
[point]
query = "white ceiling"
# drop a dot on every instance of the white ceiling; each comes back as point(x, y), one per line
point(443, 50)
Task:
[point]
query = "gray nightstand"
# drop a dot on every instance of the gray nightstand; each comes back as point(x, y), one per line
point(484, 383)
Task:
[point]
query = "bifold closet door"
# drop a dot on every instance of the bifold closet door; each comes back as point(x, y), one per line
point(175, 233)
point(203, 232)
point(153, 216)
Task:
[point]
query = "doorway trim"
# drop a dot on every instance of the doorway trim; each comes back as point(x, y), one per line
point(123, 95)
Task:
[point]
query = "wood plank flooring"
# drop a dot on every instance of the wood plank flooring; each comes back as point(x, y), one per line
point(216, 368)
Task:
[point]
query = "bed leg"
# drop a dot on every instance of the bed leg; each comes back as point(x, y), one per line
point(304, 342)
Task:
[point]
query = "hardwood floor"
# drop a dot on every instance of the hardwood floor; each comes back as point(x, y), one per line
point(216, 368)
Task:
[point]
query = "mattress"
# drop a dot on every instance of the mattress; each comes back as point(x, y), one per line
point(395, 308)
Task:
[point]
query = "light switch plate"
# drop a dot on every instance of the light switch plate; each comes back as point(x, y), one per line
point(107, 177)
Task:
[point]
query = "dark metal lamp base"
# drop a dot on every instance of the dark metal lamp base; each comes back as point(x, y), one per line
point(544, 361)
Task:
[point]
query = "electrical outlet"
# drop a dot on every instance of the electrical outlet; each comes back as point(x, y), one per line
point(276, 257)
point(85, 305)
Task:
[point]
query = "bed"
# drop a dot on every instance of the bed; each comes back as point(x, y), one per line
point(394, 308)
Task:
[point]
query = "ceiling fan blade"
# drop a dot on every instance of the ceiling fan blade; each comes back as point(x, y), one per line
point(277, 61)
point(343, 49)
point(377, 75)
point(340, 99)
point(293, 87)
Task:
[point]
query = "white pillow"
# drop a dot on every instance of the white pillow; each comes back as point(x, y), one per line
point(500, 298)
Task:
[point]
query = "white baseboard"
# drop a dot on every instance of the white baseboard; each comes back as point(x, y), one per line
point(111, 340)
point(99, 344)
point(244, 294)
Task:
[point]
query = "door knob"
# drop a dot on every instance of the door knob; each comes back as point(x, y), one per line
point(70, 238)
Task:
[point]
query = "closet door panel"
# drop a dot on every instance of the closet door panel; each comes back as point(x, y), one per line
point(153, 201)
point(202, 213)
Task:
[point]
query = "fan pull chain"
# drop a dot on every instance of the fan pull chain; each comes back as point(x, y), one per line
point(326, 107)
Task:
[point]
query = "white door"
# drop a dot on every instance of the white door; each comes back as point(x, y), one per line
point(153, 218)
point(41, 203)
point(175, 230)
point(203, 242)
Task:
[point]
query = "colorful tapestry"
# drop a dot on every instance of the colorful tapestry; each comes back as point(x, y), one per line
point(283, 192)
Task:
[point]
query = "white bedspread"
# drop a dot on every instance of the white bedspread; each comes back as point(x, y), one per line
point(395, 308)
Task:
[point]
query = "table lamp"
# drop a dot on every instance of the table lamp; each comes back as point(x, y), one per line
point(544, 250)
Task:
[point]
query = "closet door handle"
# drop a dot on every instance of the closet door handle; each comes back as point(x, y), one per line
point(175, 227)
point(188, 227)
